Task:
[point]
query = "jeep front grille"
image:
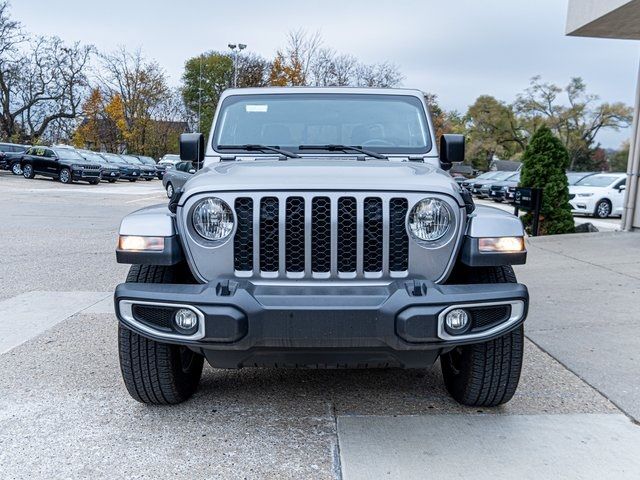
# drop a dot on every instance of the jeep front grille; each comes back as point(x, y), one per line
point(321, 236)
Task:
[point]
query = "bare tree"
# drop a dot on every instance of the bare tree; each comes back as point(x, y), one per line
point(42, 80)
point(383, 75)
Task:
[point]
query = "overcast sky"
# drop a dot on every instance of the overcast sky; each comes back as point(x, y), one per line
point(456, 49)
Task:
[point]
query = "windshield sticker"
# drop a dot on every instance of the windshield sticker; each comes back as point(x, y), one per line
point(257, 108)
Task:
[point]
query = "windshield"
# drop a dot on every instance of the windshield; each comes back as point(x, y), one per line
point(381, 123)
point(486, 175)
point(92, 157)
point(132, 160)
point(67, 154)
point(598, 180)
point(147, 160)
point(574, 177)
point(113, 158)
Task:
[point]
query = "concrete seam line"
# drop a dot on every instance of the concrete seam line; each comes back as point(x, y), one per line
point(633, 420)
point(337, 460)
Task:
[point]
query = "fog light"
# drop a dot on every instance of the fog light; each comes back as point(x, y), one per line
point(186, 320)
point(456, 321)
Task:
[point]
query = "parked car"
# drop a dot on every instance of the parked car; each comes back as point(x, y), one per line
point(169, 160)
point(323, 255)
point(109, 172)
point(10, 156)
point(127, 171)
point(600, 195)
point(575, 177)
point(147, 172)
point(480, 188)
point(468, 184)
point(176, 177)
point(65, 164)
point(505, 189)
point(160, 169)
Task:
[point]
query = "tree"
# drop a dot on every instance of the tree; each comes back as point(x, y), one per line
point(576, 122)
point(544, 165)
point(443, 121)
point(493, 130)
point(213, 72)
point(619, 160)
point(141, 87)
point(42, 81)
point(305, 61)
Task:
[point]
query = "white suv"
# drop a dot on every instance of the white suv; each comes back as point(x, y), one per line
point(600, 195)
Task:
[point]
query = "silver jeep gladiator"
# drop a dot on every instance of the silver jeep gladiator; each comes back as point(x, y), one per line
point(322, 231)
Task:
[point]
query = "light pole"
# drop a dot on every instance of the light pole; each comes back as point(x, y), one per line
point(200, 94)
point(236, 49)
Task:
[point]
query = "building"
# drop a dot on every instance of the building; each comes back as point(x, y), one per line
point(615, 19)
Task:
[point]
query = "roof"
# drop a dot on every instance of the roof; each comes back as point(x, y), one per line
point(302, 90)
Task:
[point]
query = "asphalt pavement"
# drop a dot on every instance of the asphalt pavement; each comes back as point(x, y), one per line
point(64, 412)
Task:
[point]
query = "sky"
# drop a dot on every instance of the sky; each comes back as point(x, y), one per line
point(457, 49)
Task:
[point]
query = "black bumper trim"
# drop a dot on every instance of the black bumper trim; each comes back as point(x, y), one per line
point(368, 318)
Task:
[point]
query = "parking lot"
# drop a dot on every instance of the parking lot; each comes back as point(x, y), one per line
point(64, 412)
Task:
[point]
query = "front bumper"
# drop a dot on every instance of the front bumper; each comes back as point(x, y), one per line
point(85, 175)
point(110, 175)
point(244, 324)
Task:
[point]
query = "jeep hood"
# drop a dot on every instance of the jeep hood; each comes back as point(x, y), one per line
point(321, 174)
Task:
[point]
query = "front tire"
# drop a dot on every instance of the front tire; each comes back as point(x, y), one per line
point(15, 169)
point(65, 176)
point(169, 190)
point(27, 171)
point(153, 372)
point(132, 180)
point(485, 374)
point(603, 209)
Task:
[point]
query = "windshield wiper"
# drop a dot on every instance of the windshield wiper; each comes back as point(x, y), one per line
point(343, 148)
point(258, 148)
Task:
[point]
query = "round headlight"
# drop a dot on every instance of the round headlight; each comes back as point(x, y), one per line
point(430, 219)
point(212, 219)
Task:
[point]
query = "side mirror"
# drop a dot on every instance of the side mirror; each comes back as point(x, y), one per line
point(192, 170)
point(622, 188)
point(451, 150)
point(192, 147)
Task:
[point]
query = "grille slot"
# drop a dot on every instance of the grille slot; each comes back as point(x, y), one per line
point(322, 236)
point(294, 235)
point(269, 234)
point(347, 234)
point(372, 248)
point(398, 238)
point(243, 240)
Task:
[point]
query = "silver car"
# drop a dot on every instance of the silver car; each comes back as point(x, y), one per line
point(324, 231)
point(175, 178)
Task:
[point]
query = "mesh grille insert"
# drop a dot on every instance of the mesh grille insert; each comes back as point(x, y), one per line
point(372, 248)
point(321, 234)
point(483, 318)
point(269, 235)
point(398, 238)
point(157, 317)
point(347, 234)
point(243, 241)
point(294, 234)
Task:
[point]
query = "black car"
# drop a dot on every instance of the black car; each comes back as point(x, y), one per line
point(160, 169)
point(10, 156)
point(109, 173)
point(146, 171)
point(65, 164)
point(505, 189)
point(127, 171)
